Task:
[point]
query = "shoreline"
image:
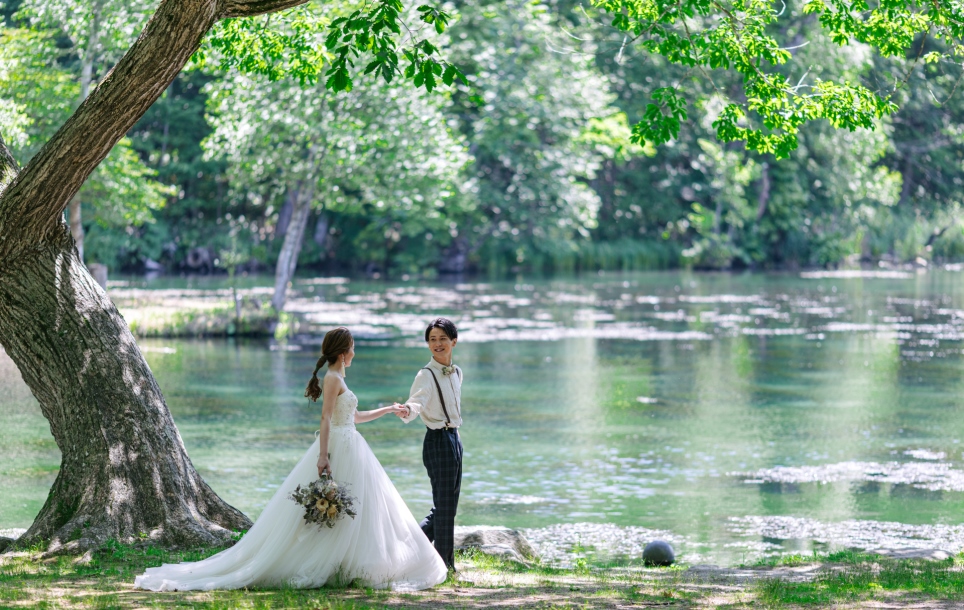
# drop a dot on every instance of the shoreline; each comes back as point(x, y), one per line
point(167, 313)
point(172, 313)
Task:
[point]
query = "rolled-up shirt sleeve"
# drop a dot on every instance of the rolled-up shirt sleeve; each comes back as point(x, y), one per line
point(418, 396)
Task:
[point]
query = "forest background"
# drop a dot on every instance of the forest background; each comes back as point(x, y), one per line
point(528, 165)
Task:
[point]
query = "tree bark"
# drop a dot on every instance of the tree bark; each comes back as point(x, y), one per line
point(8, 166)
point(321, 230)
point(284, 214)
point(907, 185)
point(764, 198)
point(288, 257)
point(76, 225)
point(124, 470)
point(718, 216)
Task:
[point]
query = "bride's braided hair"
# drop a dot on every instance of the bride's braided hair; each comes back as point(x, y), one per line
point(336, 342)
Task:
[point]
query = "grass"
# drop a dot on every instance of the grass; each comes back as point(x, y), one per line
point(858, 577)
point(215, 322)
point(104, 580)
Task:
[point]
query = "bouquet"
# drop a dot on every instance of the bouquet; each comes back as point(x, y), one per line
point(324, 501)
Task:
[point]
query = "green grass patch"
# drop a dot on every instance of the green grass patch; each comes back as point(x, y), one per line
point(791, 560)
point(852, 577)
point(104, 579)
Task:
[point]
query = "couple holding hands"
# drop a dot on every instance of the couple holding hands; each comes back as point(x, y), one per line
point(383, 546)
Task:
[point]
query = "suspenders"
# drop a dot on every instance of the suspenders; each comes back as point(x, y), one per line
point(448, 420)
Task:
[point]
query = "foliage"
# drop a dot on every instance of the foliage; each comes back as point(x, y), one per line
point(118, 23)
point(767, 111)
point(373, 30)
point(542, 153)
point(168, 139)
point(124, 196)
point(383, 150)
point(40, 86)
point(539, 123)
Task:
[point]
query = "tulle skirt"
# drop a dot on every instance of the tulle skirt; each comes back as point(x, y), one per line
point(382, 547)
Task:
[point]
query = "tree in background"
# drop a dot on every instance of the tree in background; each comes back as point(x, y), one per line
point(731, 206)
point(524, 114)
point(97, 32)
point(43, 83)
point(299, 149)
point(927, 151)
point(191, 225)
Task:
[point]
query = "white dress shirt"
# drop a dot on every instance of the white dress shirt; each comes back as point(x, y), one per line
point(424, 397)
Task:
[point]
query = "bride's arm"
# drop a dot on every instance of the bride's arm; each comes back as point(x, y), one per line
point(364, 416)
point(330, 394)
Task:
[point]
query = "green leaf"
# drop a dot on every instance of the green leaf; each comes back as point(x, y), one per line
point(340, 80)
point(448, 77)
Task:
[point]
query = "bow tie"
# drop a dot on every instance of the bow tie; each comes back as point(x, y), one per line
point(448, 370)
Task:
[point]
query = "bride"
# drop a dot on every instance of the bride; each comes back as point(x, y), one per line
point(382, 547)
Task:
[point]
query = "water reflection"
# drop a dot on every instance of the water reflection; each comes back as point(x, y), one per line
point(735, 415)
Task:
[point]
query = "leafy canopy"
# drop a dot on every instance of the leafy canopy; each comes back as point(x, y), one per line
point(703, 36)
point(735, 35)
point(311, 38)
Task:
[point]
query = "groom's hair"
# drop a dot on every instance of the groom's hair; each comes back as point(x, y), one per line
point(445, 325)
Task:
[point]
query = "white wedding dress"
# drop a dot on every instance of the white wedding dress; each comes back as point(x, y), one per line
point(382, 547)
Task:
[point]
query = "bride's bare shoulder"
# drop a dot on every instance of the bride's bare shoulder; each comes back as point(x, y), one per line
point(333, 379)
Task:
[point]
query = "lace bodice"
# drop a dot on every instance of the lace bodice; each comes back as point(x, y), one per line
point(345, 406)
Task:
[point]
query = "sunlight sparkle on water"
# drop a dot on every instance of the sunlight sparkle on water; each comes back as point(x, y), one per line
point(734, 415)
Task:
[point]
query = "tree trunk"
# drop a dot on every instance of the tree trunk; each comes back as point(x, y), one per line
point(907, 174)
point(764, 198)
point(718, 215)
point(124, 470)
point(288, 257)
point(284, 214)
point(8, 166)
point(321, 230)
point(76, 228)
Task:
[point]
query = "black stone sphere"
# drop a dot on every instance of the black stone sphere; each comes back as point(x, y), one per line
point(658, 553)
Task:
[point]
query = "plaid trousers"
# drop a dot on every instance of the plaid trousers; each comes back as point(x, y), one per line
point(442, 455)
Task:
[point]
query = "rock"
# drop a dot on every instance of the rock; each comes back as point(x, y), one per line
point(100, 274)
point(502, 542)
point(5, 543)
point(658, 553)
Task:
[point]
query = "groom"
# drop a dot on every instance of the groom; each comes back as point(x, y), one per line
point(436, 396)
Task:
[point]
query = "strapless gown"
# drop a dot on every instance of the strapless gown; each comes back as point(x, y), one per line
point(382, 547)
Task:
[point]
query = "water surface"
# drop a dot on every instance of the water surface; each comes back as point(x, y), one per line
point(736, 415)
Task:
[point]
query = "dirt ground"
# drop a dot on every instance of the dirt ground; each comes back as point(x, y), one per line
point(478, 588)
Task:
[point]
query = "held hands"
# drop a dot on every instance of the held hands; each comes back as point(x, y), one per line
point(400, 410)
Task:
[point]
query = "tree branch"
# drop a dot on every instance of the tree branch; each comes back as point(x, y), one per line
point(251, 8)
point(33, 204)
point(8, 166)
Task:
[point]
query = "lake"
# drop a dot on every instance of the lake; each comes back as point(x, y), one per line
point(737, 416)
